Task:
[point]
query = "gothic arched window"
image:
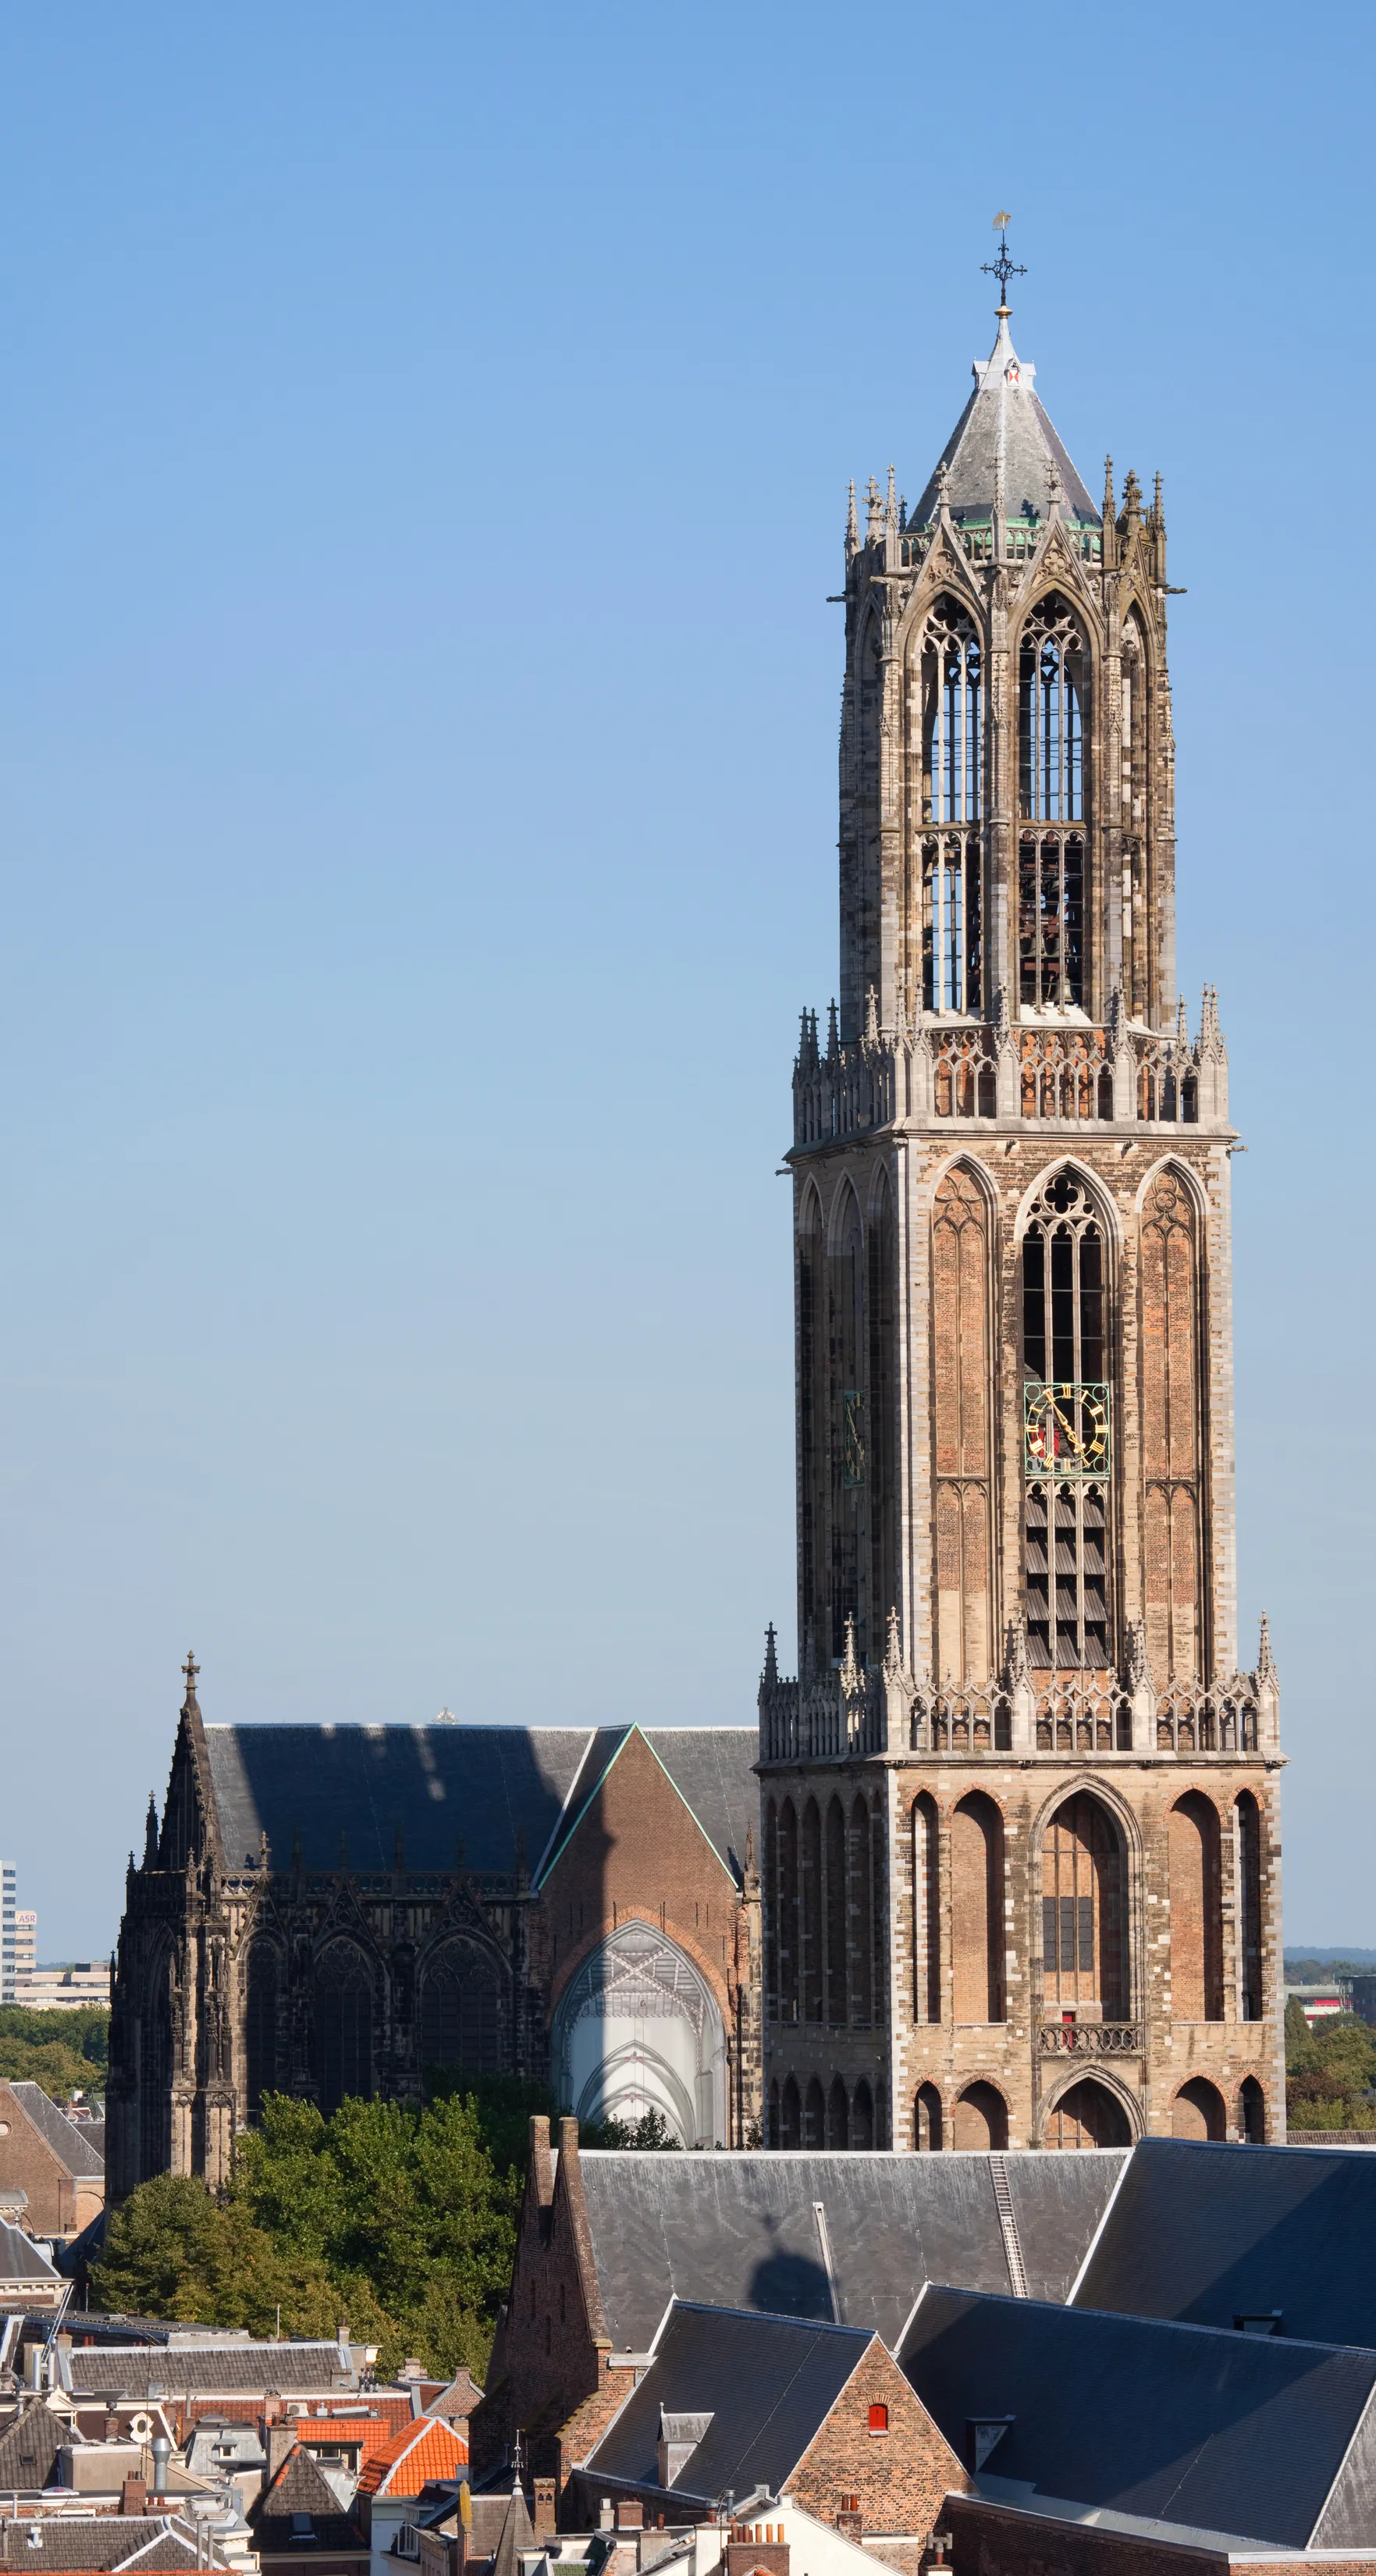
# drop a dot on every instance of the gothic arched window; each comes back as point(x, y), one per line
point(926, 1910)
point(343, 2027)
point(850, 1426)
point(952, 715)
point(1247, 1872)
point(462, 2014)
point(260, 2024)
point(1067, 1429)
point(1132, 803)
point(977, 1909)
point(1051, 696)
point(1051, 864)
point(951, 680)
point(1084, 1912)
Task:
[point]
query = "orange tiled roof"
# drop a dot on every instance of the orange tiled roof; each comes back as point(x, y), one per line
point(424, 2449)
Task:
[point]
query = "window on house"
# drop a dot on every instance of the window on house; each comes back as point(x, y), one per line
point(879, 2419)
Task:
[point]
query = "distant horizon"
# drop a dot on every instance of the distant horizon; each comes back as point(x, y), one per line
point(1321, 1950)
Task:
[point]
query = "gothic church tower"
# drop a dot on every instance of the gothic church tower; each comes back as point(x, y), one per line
point(1020, 1819)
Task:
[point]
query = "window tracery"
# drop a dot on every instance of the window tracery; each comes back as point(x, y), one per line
point(1132, 780)
point(1084, 1912)
point(951, 695)
point(1052, 663)
point(1068, 1430)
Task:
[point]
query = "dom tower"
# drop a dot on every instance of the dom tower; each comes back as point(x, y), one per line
point(1021, 1833)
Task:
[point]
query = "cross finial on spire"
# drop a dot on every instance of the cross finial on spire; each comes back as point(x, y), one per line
point(1003, 267)
point(190, 1669)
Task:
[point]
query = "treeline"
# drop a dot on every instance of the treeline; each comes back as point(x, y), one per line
point(398, 2220)
point(1330, 2072)
point(65, 2052)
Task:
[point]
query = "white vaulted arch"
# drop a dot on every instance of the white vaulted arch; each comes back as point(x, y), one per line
point(637, 2029)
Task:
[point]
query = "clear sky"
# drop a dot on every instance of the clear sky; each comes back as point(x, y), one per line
point(423, 452)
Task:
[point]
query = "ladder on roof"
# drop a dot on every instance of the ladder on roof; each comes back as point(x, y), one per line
point(1003, 2202)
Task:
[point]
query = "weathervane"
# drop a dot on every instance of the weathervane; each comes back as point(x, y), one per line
point(1003, 267)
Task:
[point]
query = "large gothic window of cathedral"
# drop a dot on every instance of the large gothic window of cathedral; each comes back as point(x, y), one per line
point(1051, 863)
point(155, 2067)
point(950, 693)
point(952, 669)
point(926, 1910)
point(260, 2024)
point(1171, 1429)
point(463, 2010)
point(849, 1427)
point(636, 2030)
point(342, 2027)
point(1084, 1914)
point(1132, 798)
point(961, 1376)
point(1067, 1429)
point(883, 1408)
point(812, 1413)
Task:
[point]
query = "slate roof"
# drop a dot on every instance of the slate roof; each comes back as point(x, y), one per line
point(207, 2370)
point(81, 2542)
point(301, 2486)
point(1231, 2433)
point(1207, 2233)
point(1003, 416)
point(740, 2231)
point(768, 2384)
point(482, 1786)
point(20, 2259)
point(29, 2446)
point(72, 2141)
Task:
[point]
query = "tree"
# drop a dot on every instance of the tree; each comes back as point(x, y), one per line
point(173, 2249)
point(1330, 2072)
point(65, 2052)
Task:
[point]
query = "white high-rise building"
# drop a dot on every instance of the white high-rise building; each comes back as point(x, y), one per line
point(7, 1931)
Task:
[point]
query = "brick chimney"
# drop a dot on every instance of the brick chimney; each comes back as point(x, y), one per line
point(133, 2496)
point(279, 2443)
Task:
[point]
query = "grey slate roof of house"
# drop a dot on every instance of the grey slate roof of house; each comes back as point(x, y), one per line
point(1242, 2434)
point(481, 1787)
point(20, 2259)
point(1003, 417)
point(78, 2143)
point(94, 2541)
point(740, 2231)
point(207, 2370)
point(1207, 2233)
point(301, 2486)
point(767, 2383)
point(28, 2448)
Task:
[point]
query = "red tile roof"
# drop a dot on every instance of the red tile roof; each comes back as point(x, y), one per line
point(422, 2450)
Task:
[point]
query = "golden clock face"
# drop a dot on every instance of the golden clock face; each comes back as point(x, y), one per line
point(1065, 1430)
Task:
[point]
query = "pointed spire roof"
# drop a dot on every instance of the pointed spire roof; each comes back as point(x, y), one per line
point(1003, 435)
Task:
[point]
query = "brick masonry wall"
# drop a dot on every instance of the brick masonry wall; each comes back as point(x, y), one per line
point(900, 2476)
point(58, 2204)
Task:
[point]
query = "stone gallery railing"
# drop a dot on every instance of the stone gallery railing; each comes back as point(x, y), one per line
point(1058, 1074)
point(1090, 2039)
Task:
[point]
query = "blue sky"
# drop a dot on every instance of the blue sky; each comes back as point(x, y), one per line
point(422, 466)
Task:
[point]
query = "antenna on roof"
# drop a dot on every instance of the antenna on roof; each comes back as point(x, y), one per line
point(1003, 267)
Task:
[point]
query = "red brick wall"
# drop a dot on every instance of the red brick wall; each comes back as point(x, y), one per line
point(901, 2477)
point(57, 2204)
point(636, 1855)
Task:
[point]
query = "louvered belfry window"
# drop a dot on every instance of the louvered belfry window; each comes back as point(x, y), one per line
point(1052, 663)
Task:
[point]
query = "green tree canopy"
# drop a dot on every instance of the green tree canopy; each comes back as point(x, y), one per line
point(1329, 2071)
point(65, 2052)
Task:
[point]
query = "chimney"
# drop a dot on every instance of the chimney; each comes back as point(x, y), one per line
point(629, 2516)
point(133, 2496)
point(280, 2443)
point(545, 2518)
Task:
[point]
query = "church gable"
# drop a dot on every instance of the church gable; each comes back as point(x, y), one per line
point(636, 1849)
